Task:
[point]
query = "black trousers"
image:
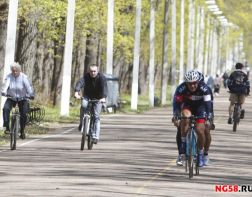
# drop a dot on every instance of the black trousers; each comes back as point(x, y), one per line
point(23, 109)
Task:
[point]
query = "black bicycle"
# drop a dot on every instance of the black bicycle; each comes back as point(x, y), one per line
point(236, 113)
point(15, 125)
point(87, 125)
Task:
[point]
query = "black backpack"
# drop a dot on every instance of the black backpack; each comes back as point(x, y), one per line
point(238, 82)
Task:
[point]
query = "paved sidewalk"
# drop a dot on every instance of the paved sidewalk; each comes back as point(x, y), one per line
point(135, 157)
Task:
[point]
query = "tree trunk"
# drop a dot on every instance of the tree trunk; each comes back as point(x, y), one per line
point(91, 52)
point(3, 31)
point(164, 76)
point(26, 47)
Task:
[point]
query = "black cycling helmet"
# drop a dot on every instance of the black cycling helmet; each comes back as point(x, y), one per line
point(239, 66)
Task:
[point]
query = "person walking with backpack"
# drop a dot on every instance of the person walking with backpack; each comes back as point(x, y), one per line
point(239, 87)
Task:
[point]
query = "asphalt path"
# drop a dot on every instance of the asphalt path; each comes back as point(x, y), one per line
point(136, 156)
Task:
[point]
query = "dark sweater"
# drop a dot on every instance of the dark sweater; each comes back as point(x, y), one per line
point(94, 88)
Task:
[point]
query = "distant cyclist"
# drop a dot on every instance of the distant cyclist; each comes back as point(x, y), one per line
point(238, 84)
point(94, 84)
point(18, 88)
point(193, 97)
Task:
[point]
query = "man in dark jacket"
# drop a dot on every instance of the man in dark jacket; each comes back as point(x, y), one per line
point(95, 87)
point(238, 85)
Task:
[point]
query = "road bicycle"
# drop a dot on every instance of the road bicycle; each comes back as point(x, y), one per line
point(87, 125)
point(191, 158)
point(236, 113)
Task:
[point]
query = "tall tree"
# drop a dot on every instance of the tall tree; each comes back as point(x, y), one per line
point(134, 88)
point(164, 75)
point(66, 79)
point(10, 43)
point(110, 37)
point(182, 31)
point(152, 54)
point(207, 46)
point(201, 40)
point(190, 49)
point(174, 74)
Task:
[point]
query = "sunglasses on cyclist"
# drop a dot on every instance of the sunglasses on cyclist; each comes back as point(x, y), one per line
point(192, 83)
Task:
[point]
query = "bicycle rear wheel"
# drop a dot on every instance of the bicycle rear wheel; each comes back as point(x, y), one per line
point(234, 126)
point(13, 133)
point(84, 129)
point(235, 117)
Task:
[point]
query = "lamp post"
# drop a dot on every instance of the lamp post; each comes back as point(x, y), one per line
point(10, 44)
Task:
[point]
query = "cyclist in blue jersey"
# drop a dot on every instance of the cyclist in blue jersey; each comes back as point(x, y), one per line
point(209, 126)
point(193, 97)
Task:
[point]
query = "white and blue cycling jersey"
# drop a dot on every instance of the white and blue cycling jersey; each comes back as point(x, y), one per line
point(198, 102)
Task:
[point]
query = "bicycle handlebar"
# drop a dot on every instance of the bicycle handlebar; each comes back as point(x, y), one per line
point(93, 100)
point(18, 98)
point(192, 117)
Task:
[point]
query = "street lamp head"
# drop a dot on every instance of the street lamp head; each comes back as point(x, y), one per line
point(217, 12)
point(209, 2)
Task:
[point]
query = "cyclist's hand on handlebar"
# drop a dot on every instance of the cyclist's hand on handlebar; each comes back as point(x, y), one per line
point(103, 100)
point(209, 117)
point(32, 97)
point(3, 94)
point(76, 95)
point(175, 121)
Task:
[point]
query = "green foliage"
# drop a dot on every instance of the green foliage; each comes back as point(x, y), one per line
point(50, 16)
point(239, 13)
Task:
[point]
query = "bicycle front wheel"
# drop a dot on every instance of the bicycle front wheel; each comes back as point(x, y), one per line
point(190, 165)
point(13, 133)
point(197, 164)
point(234, 126)
point(190, 154)
point(90, 141)
point(84, 129)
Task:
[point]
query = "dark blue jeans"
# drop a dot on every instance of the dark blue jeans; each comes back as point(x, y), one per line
point(23, 109)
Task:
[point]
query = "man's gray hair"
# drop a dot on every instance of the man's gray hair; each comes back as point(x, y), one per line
point(15, 65)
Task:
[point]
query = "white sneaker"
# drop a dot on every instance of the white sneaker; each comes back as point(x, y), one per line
point(179, 160)
point(206, 160)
